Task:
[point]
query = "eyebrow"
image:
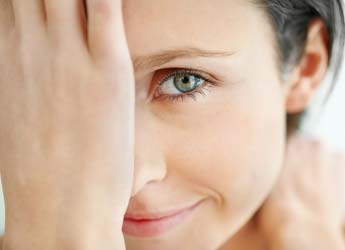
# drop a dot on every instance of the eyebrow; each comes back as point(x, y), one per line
point(165, 56)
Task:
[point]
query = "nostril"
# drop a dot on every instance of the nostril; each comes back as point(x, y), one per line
point(147, 173)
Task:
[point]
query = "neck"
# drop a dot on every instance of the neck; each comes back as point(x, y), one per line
point(248, 238)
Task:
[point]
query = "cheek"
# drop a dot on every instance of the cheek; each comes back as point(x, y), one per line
point(230, 146)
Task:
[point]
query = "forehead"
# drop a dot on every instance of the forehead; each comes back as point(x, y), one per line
point(166, 24)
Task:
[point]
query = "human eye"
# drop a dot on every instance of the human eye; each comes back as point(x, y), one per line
point(180, 84)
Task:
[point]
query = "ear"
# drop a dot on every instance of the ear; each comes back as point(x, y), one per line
point(312, 69)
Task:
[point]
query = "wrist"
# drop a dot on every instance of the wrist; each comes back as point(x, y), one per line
point(65, 234)
point(33, 241)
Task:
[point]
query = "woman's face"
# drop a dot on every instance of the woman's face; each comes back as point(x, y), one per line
point(221, 144)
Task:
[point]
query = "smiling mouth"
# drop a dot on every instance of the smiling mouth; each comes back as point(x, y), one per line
point(151, 225)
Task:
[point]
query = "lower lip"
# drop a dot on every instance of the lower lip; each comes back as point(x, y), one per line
point(151, 228)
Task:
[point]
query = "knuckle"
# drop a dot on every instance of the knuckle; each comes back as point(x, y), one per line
point(339, 157)
point(102, 8)
point(318, 145)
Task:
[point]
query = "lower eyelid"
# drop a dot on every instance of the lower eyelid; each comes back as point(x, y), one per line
point(193, 94)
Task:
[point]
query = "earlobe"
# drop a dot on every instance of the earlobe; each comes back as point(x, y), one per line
point(311, 71)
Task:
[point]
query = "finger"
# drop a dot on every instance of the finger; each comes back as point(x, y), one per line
point(66, 21)
point(338, 171)
point(29, 17)
point(106, 35)
point(6, 16)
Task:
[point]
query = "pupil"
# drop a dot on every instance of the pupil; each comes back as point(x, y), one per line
point(185, 79)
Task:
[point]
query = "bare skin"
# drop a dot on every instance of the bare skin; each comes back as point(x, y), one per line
point(289, 212)
point(78, 96)
point(71, 122)
point(306, 208)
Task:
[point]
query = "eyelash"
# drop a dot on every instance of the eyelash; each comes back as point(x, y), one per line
point(202, 89)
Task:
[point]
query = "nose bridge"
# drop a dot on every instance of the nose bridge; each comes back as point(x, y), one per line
point(149, 164)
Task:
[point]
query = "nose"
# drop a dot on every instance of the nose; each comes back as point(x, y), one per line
point(149, 164)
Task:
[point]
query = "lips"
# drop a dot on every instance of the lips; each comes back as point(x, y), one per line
point(155, 224)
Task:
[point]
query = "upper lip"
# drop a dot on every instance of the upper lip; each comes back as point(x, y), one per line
point(157, 215)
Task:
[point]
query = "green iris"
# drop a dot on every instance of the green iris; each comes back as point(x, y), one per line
point(186, 83)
